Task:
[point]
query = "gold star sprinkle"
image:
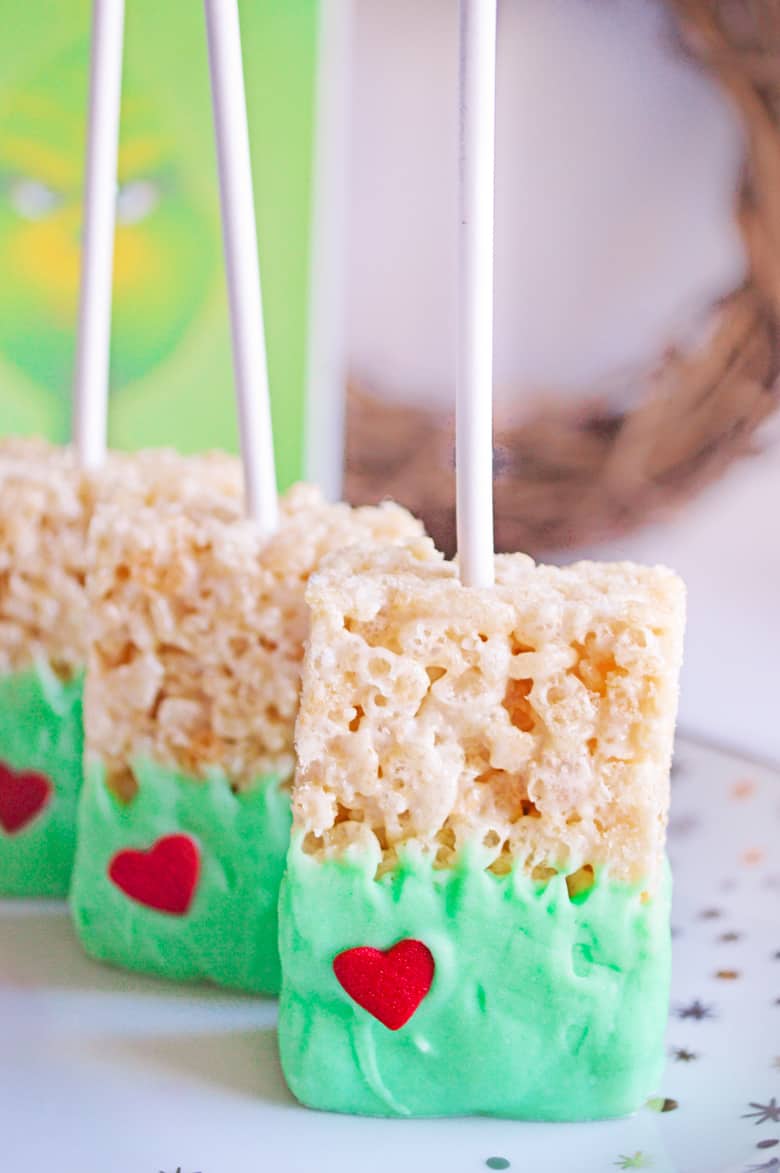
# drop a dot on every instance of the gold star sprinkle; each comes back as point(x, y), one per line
point(636, 1160)
point(661, 1104)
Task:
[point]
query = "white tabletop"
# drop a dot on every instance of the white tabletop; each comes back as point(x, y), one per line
point(106, 1072)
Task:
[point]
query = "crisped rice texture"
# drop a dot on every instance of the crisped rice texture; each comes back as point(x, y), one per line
point(531, 723)
point(46, 503)
point(197, 627)
point(44, 513)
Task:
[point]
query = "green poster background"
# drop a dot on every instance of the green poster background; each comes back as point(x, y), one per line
point(171, 376)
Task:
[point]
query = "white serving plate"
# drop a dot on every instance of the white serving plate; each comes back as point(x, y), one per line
point(106, 1072)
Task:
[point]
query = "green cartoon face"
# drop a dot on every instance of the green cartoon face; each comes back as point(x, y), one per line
point(166, 244)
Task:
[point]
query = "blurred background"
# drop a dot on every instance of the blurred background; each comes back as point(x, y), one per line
point(635, 331)
point(170, 356)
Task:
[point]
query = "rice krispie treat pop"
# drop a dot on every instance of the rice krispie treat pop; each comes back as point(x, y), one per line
point(475, 916)
point(47, 497)
point(475, 912)
point(196, 634)
point(196, 642)
point(46, 502)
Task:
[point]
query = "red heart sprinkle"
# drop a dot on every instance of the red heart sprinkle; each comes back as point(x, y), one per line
point(388, 985)
point(23, 795)
point(164, 877)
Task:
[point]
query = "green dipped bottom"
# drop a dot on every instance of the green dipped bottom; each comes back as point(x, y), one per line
point(541, 1007)
point(228, 932)
point(41, 733)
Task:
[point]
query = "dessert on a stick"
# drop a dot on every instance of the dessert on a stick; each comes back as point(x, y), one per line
point(475, 912)
point(46, 497)
point(49, 496)
point(196, 637)
point(475, 916)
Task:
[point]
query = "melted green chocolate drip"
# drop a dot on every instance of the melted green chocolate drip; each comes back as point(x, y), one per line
point(541, 1007)
point(41, 730)
point(229, 935)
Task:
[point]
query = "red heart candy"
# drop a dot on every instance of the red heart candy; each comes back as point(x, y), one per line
point(23, 795)
point(164, 877)
point(388, 985)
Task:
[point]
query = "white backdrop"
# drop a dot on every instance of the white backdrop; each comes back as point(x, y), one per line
point(616, 165)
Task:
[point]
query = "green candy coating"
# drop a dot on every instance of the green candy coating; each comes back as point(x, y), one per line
point(229, 934)
point(542, 1007)
point(41, 730)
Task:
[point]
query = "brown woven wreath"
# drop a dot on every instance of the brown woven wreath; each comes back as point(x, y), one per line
point(574, 474)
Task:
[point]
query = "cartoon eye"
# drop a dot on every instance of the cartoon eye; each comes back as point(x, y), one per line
point(32, 199)
point(137, 199)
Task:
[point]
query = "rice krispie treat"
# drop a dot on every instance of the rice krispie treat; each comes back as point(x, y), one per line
point(46, 503)
point(475, 913)
point(197, 629)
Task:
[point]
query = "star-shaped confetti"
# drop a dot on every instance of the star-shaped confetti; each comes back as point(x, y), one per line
point(711, 913)
point(727, 975)
point(729, 937)
point(636, 1161)
point(763, 1112)
point(743, 789)
point(662, 1104)
point(753, 856)
point(681, 1055)
point(696, 1010)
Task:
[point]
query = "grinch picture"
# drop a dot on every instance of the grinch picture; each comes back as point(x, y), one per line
point(166, 246)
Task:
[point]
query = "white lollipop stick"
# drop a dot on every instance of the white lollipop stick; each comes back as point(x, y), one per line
point(326, 368)
point(90, 402)
point(474, 393)
point(239, 232)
